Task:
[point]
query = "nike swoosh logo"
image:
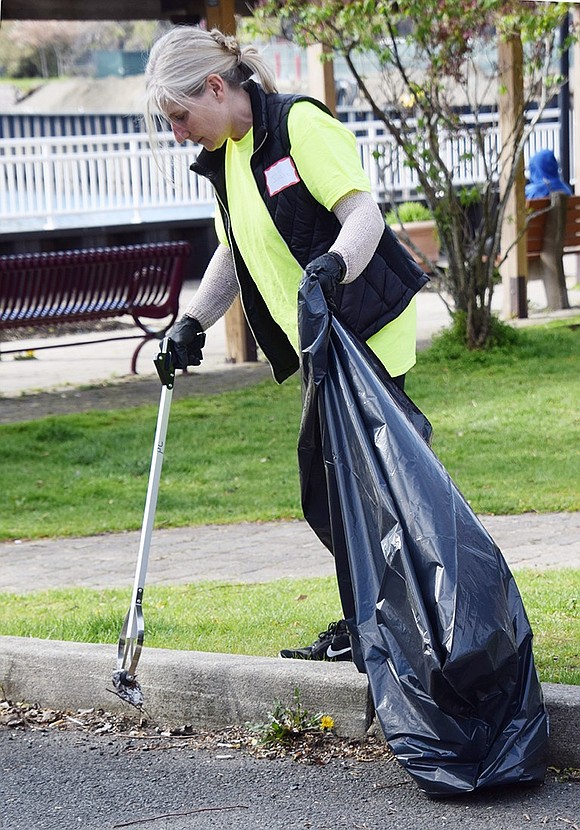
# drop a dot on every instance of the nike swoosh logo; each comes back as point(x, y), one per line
point(330, 652)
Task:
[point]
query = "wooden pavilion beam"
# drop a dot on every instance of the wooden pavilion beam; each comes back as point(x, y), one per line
point(575, 97)
point(240, 344)
point(175, 10)
point(321, 76)
point(514, 270)
point(221, 14)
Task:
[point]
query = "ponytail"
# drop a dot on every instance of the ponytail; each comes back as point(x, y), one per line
point(256, 65)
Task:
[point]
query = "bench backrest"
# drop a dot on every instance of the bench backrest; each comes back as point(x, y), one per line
point(536, 225)
point(572, 232)
point(92, 283)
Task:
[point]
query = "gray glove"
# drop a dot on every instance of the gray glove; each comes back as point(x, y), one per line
point(186, 340)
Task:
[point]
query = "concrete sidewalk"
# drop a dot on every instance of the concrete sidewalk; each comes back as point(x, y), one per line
point(249, 552)
point(109, 362)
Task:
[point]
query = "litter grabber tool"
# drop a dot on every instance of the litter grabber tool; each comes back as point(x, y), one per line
point(133, 630)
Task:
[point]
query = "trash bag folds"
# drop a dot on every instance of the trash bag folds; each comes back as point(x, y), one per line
point(436, 618)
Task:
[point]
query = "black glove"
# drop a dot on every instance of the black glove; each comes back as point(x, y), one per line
point(329, 270)
point(186, 340)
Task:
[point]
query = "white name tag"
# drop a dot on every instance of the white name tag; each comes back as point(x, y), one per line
point(280, 175)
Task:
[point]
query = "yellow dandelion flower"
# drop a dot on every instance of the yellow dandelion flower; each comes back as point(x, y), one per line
point(326, 722)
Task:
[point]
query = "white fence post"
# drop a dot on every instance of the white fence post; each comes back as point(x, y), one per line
point(47, 189)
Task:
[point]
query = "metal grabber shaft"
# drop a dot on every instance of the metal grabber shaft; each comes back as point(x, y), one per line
point(132, 633)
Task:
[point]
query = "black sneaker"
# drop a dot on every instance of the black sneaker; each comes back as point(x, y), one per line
point(332, 644)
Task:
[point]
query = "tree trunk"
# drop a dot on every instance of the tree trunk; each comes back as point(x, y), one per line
point(477, 326)
point(43, 62)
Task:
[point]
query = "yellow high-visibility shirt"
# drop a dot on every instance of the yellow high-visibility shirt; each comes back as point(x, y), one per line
point(325, 157)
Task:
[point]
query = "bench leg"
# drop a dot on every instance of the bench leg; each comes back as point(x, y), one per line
point(552, 255)
point(555, 282)
point(136, 353)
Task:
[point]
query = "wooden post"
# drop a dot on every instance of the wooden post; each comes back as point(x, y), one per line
point(240, 344)
point(321, 76)
point(220, 14)
point(574, 81)
point(515, 268)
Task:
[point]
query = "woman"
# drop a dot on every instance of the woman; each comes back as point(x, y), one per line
point(293, 198)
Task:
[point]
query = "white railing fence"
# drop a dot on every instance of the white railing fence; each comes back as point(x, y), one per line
point(53, 180)
point(66, 181)
point(392, 179)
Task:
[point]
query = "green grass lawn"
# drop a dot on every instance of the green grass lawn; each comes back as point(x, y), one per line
point(506, 422)
point(261, 619)
point(505, 426)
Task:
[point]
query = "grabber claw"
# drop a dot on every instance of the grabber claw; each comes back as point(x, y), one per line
point(127, 688)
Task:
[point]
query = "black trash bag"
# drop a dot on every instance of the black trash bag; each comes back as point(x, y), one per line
point(436, 618)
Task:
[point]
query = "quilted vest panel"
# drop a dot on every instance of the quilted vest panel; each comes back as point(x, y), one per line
point(375, 298)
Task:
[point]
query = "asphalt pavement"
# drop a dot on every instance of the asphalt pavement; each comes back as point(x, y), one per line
point(181, 687)
point(60, 780)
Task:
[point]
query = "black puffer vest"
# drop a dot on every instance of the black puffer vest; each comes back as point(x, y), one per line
point(375, 298)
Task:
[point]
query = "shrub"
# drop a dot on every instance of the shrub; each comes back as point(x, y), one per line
point(408, 212)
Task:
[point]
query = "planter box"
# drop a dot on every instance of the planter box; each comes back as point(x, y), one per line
point(424, 236)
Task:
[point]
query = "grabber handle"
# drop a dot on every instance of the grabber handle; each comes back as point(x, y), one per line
point(164, 363)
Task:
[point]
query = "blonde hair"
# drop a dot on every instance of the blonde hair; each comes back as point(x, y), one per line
point(181, 60)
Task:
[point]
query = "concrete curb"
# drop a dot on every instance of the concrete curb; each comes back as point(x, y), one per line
point(203, 689)
point(212, 691)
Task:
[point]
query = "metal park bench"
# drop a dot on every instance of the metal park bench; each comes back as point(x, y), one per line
point(95, 284)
